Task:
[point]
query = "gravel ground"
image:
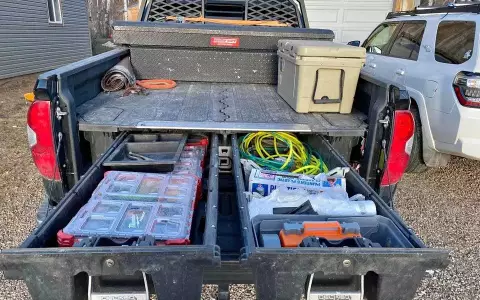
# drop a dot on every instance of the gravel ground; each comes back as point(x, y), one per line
point(442, 205)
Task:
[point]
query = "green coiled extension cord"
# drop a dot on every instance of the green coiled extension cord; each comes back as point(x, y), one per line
point(281, 151)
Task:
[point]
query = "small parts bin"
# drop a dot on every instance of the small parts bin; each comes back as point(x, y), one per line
point(148, 153)
point(126, 205)
point(146, 187)
point(318, 76)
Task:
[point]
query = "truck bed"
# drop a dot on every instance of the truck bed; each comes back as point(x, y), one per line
point(211, 106)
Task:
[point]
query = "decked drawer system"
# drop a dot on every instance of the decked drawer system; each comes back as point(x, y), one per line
point(223, 250)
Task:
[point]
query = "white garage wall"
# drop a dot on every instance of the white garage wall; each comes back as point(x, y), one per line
point(349, 19)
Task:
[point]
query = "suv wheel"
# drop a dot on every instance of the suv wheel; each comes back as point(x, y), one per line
point(416, 163)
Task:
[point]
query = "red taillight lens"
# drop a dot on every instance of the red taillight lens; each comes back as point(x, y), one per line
point(400, 149)
point(467, 89)
point(40, 139)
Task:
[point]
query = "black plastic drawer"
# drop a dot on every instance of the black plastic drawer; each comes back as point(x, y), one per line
point(176, 272)
point(388, 272)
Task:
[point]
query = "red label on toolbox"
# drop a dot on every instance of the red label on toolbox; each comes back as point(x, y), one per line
point(219, 41)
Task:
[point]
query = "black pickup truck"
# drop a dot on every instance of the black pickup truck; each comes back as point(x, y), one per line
point(73, 126)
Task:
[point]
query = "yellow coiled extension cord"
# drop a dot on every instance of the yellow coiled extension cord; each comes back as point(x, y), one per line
point(281, 151)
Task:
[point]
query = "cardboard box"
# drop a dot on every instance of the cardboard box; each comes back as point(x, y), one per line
point(264, 182)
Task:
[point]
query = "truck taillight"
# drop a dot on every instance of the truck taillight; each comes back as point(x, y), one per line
point(40, 139)
point(400, 148)
point(467, 89)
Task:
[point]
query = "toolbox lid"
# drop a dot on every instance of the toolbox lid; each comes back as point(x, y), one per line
point(320, 49)
point(201, 36)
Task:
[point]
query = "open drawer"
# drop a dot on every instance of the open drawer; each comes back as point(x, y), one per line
point(392, 271)
point(170, 272)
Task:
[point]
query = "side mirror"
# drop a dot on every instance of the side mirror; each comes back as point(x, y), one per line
point(354, 43)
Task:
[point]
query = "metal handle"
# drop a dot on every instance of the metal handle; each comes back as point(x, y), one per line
point(400, 72)
point(343, 287)
point(98, 292)
point(372, 65)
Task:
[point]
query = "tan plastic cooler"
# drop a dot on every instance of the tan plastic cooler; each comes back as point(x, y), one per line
point(318, 76)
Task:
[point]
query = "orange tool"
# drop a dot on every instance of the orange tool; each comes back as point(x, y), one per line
point(293, 234)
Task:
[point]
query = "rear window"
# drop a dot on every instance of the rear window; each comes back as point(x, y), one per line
point(455, 41)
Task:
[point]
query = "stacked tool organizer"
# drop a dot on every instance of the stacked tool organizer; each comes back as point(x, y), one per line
point(211, 53)
point(276, 231)
point(128, 205)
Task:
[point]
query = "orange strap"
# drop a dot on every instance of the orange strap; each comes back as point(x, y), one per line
point(157, 84)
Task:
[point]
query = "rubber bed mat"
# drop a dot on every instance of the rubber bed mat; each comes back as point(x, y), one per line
point(213, 107)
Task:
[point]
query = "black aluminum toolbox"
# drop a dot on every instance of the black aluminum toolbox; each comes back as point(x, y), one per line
point(214, 53)
point(200, 35)
point(52, 273)
point(388, 273)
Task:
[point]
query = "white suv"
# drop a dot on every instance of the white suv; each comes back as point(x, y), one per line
point(436, 57)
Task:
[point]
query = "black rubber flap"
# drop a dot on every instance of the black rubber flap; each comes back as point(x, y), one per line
point(211, 36)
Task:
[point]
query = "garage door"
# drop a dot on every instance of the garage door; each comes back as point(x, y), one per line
point(349, 19)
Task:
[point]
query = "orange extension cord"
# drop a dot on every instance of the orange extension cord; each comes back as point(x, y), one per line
point(157, 84)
